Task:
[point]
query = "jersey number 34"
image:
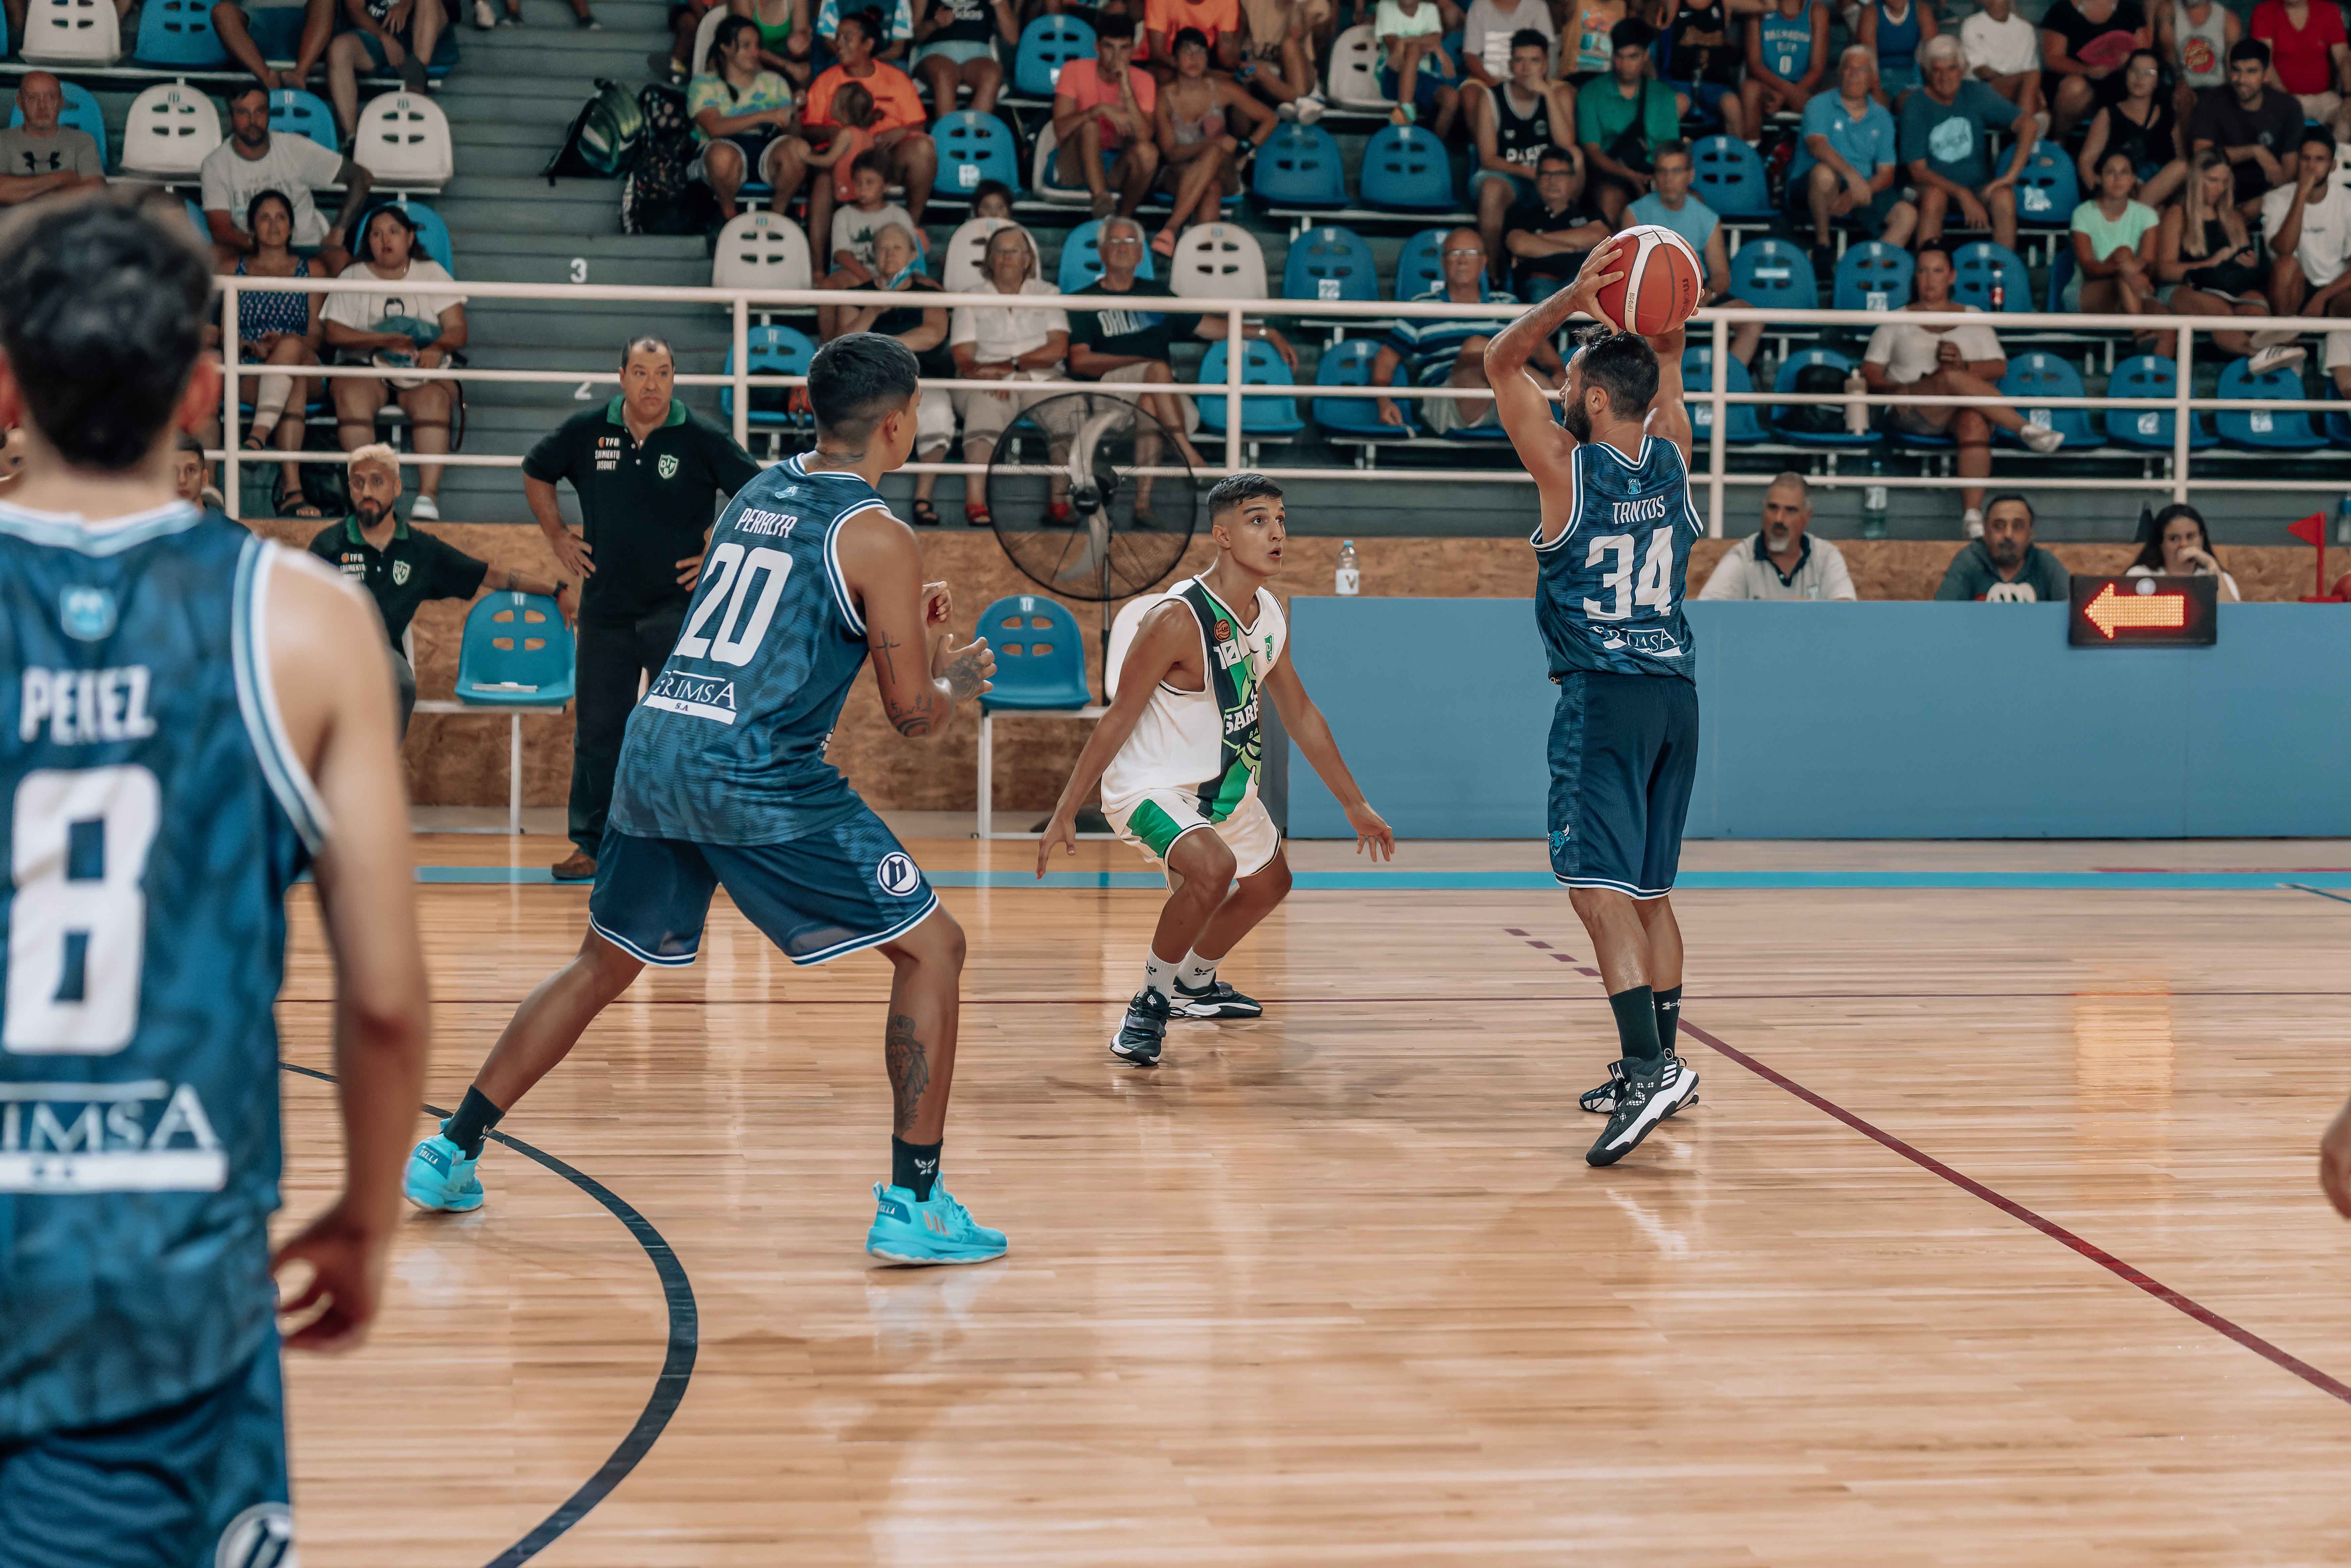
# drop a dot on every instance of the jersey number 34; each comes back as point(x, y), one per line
point(1656, 588)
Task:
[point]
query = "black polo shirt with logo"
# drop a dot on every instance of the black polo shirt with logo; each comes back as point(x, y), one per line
point(411, 569)
point(646, 506)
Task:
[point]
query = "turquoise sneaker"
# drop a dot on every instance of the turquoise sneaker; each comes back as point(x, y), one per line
point(440, 1176)
point(939, 1230)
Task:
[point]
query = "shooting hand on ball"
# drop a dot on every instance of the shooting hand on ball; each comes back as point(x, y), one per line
point(1598, 272)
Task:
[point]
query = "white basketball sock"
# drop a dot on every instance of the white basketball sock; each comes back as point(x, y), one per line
point(1158, 971)
point(1198, 974)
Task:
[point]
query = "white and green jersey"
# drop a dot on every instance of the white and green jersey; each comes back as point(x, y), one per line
point(1206, 742)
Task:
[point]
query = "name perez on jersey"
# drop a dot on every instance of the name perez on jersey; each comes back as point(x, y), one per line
point(82, 708)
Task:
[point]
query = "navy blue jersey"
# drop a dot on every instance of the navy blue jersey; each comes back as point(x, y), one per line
point(1610, 591)
point(153, 815)
point(729, 745)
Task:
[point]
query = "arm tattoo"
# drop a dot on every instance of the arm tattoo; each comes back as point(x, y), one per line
point(910, 1070)
point(916, 718)
point(963, 676)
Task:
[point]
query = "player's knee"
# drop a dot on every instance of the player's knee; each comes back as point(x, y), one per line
point(1270, 885)
point(609, 969)
point(1205, 861)
point(938, 943)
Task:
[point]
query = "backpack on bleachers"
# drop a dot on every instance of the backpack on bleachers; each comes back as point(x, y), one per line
point(659, 195)
point(603, 135)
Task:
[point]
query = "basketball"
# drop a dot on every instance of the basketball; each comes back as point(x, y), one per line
point(1660, 287)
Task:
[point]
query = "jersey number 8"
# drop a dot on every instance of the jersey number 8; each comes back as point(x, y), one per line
point(1656, 588)
point(78, 919)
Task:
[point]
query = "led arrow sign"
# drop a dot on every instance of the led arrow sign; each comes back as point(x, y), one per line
point(2143, 612)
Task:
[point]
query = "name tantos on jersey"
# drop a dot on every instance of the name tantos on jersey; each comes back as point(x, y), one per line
point(1610, 585)
point(1208, 742)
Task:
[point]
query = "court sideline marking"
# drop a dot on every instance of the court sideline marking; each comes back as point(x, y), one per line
point(2126, 1272)
point(1525, 881)
point(677, 1359)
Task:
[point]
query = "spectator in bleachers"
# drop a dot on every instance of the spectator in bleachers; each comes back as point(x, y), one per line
point(2207, 262)
point(1783, 560)
point(894, 36)
point(786, 35)
point(2308, 226)
point(383, 35)
point(2003, 52)
point(2254, 124)
point(2144, 128)
point(2005, 567)
point(1133, 348)
point(744, 120)
point(190, 474)
point(1945, 142)
point(1206, 127)
point(2309, 56)
point(2113, 245)
point(1276, 45)
point(2195, 37)
point(897, 129)
point(994, 343)
point(1103, 120)
point(920, 325)
point(857, 225)
point(230, 21)
point(2083, 43)
point(1218, 21)
point(955, 45)
point(1509, 128)
point(991, 199)
point(1672, 205)
point(1548, 234)
point(1587, 46)
point(253, 160)
point(1787, 56)
point(40, 156)
point(1846, 163)
point(396, 332)
point(1954, 361)
point(2182, 547)
point(281, 329)
point(1489, 41)
point(1703, 57)
point(1439, 353)
point(1896, 41)
point(1415, 72)
point(1620, 123)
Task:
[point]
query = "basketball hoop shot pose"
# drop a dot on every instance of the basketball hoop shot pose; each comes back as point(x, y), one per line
point(1612, 550)
point(723, 782)
point(1178, 758)
point(189, 717)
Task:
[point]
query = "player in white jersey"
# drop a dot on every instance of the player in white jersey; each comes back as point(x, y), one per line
point(1178, 758)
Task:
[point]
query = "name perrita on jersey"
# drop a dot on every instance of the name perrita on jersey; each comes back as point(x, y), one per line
point(153, 815)
point(727, 747)
point(1610, 594)
point(1209, 742)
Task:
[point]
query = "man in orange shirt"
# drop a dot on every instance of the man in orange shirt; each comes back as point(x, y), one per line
point(1219, 20)
point(896, 129)
point(1103, 122)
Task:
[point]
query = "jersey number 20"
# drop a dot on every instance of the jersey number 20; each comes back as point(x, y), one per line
point(78, 918)
point(737, 637)
point(1656, 588)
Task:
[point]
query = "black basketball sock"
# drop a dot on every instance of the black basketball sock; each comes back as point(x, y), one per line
point(914, 1166)
point(476, 1116)
point(1669, 1017)
point(1637, 1027)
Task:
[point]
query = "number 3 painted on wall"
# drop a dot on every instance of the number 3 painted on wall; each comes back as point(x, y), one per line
point(78, 919)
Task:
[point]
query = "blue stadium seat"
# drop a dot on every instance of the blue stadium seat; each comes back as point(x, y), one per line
point(1405, 170)
point(2046, 189)
point(1420, 266)
point(1980, 265)
point(2037, 375)
point(516, 653)
point(2061, 273)
point(2261, 429)
point(1259, 415)
point(1040, 655)
point(1729, 178)
point(1299, 167)
point(1791, 368)
point(178, 34)
point(297, 113)
point(431, 233)
point(1741, 428)
point(775, 351)
point(80, 111)
point(1330, 263)
point(277, 30)
point(1349, 365)
point(1081, 258)
point(1047, 45)
point(2148, 429)
point(974, 147)
point(1773, 274)
point(2337, 426)
point(1873, 276)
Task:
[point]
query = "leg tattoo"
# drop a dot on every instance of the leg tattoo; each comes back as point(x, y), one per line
point(910, 1070)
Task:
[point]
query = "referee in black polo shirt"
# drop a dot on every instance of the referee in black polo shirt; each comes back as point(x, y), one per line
point(650, 477)
point(400, 568)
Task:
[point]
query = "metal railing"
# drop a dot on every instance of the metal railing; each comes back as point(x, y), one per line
point(744, 303)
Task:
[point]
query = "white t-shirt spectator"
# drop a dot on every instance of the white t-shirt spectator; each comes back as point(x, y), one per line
point(291, 166)
point(360, 312)
point(854, 228)
point(2325, 247)
point(1912, 353)
point(2004, 48)
point(1748, 571)
point(997, 334)
point(1485, 32)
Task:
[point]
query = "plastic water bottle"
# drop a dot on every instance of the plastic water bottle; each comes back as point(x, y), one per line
point(2343, 522)
point(1349, 581)
point(1873, 502)
point(1999, 296)
point(1857, 412)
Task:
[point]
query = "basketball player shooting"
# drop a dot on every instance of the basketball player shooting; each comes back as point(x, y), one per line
point(1178, 758)
point(1612, 553)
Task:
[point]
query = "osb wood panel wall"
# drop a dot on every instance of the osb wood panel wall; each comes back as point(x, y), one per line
point(462, 761)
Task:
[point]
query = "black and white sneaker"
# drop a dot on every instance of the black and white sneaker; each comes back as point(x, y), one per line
point(1143, 1030)
point(1643, 1100)
point(1601, 1101)
point(1213, 1001)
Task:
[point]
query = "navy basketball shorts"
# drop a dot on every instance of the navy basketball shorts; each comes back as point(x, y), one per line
point(836, 891)
point(1624, 755)
point(191, 1485)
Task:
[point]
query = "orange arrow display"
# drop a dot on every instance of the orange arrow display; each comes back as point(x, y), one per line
point(2110, 611)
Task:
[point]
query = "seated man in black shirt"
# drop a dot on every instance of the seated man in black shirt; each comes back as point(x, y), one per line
point(1548, 234)
point(2254, 125)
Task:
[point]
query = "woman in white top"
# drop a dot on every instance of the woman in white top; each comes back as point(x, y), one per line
point(2182, 547)
point(418, 330)
point(995, 343)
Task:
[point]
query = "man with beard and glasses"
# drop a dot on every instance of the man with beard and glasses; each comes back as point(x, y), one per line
point(400, 568)
point(2005, 566)
point(1783, 560)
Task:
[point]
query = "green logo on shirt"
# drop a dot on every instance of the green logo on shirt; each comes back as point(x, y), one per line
point(668, 466)
point(399, 573)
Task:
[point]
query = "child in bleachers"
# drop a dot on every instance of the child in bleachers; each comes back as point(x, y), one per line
point(856, 224)
point(856, 111)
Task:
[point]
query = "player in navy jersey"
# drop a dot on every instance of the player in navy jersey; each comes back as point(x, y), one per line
point(1613, 554)
point(189, 717)
point(723, 782)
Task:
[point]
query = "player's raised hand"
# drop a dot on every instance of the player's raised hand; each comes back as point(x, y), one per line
point(938, 604)
point(1062, 831)
point(346, 1258)
point(1372, 832)
point(969, 671)
point(2335, 1161)
point(1595, 275)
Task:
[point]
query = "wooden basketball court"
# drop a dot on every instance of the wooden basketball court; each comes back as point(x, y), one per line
point(1995, 1239)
